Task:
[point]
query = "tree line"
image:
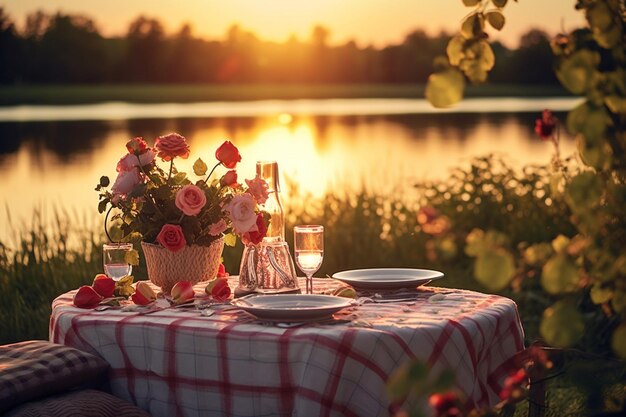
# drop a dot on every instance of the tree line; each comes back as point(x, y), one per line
point(69, 49)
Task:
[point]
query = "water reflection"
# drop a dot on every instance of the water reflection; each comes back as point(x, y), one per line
point(59, 162)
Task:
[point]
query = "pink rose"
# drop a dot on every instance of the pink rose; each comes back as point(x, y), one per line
point(228, 155)
point(241, 212)
point(171, 237)
point(171, 146)
point(131, 161)
point(218, 228)
point(259, 189)
point(230, 178)
point(190, 199)
point(255, 236)
point(125, 182)
point(136, 145)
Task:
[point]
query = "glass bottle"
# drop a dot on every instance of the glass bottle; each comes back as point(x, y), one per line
point(268, 268)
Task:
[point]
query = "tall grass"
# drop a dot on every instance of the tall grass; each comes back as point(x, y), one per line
point(41, 264)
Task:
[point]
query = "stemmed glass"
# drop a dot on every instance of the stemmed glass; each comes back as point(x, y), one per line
point(115, 260)
point(309, 249)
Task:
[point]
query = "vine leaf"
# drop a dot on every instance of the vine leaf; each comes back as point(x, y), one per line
point(499, 3)
point(560, 275)
point(562, 324)
point(471, 3)
point(618, 342)
point(494, 269)
point(445, 88)
point(495, 19)
point(200, 168)
point(576, 72)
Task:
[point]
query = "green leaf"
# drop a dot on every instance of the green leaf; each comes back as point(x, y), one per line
point(454, 50)
point(494, 269)
point(102, 205)
point(473, 25)
point(445, 88)
point(618, 341)
point(474, 242)
point(537, 254)
point(599, 294)
point(200, 168)
point(618, 302)
point(596, 154)
point(179, 178)
point(584, 191)
point(560, 243)
point(616, 104)
point(499, 3)
point(495, 19)
point(230, 239)
point(562, 325)
point(576, 72)
point(478, 61)
point(132, 257)
point(560, 275)
point(577, 117)
point(471, 3)
point(123, 287)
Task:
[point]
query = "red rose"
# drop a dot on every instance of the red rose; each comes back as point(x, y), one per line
point(171, 146)
point(257, 236)
point(86, 297)
point(228, 155)
point(221, 290)
point(182, 292)
point(136, 146)
point(545, 126)
point(171, 237)
point(144, 294)
point(221, 272)
point(230, 178)
point(104, 285)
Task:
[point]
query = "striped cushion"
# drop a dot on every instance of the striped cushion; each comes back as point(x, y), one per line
point(35, 369)
point(84, 403)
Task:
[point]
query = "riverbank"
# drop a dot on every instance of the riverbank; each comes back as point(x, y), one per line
point(135, 93)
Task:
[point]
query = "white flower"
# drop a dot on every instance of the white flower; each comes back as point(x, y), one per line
point(241, 212)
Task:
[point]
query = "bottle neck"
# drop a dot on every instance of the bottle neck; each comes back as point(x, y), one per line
point(273, 206)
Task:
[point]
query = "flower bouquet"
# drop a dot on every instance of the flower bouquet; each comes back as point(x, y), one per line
point(182, 223)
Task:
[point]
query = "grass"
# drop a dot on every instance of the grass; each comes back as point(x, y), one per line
point(184, 93)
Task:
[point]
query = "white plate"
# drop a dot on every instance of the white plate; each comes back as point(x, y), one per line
point(292, 307)
point(387, 278)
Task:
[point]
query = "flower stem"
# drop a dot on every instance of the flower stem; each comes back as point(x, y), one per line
point(206, 181)
point(106, 219)
point(171, 167)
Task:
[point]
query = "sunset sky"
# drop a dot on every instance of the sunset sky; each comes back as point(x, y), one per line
point(376, 22)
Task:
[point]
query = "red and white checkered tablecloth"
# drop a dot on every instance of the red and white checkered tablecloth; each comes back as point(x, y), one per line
point(177, 362)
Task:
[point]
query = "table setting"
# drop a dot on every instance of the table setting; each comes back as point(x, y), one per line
point(193, 340)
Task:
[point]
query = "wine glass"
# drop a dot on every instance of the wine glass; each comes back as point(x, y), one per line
point(115, 260)
point(309, 248)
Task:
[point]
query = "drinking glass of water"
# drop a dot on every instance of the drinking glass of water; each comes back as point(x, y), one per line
point(309, 250)
point(114, 257)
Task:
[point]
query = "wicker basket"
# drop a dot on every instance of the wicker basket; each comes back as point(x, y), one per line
point(192, 263)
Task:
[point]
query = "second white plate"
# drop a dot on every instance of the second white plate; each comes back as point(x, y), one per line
point(387, 278)
point(292, 307)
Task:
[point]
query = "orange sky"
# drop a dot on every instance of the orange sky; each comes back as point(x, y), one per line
point(377, 22)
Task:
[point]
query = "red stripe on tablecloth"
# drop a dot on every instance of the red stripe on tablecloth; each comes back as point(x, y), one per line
point(129, 369)
point(74, 327)
point(343, 351)
point(226, 388)
point(441, 342)
point(172, 377)
point(287, 391)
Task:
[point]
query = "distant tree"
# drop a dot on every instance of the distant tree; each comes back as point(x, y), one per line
point(146, 50)
point(9, 50)
point(71, 51)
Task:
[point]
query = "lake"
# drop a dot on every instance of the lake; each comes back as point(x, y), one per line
point(53, 156)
